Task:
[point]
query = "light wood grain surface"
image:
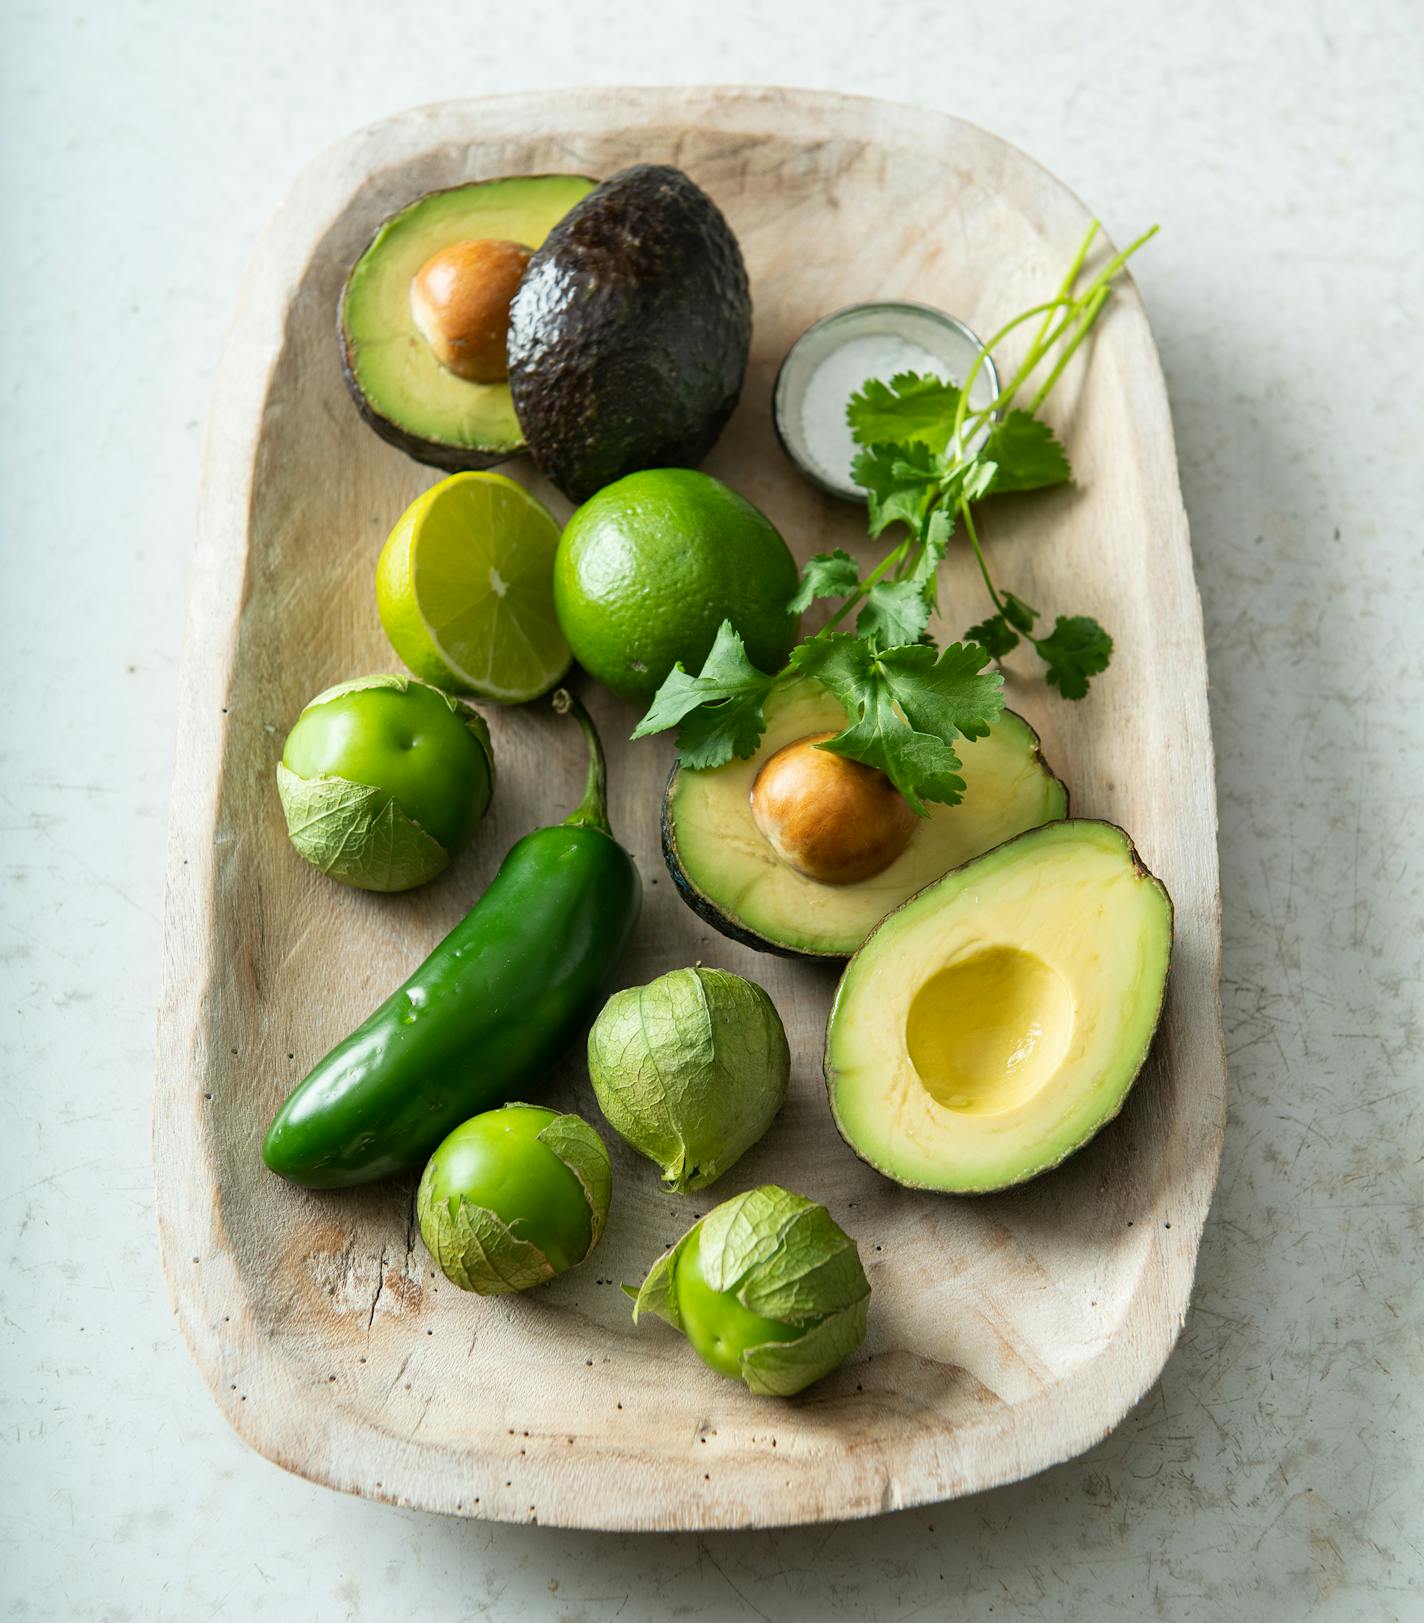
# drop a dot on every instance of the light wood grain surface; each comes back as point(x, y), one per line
point(1006, 1333)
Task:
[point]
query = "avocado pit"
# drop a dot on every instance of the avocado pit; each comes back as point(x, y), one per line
point(987, 1032)
point(832, 819)
point(459, 301)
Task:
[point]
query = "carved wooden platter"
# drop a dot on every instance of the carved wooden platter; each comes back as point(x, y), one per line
point(1006, 1333)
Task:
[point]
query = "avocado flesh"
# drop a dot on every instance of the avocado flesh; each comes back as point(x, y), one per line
point(993, 1023)
point(402, 390)
point(629, 335)
point(728, 872)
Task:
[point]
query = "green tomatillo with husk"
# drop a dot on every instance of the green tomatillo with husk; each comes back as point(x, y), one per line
point(690, 1070)
point(768, 1288)
point(513, 1197)
point(383, 780)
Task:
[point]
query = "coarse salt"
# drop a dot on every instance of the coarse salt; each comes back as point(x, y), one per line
point(843, 373)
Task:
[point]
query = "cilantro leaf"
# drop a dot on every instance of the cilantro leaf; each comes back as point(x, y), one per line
point(828, 574)
point(912, 406)
point(840, 662)
point(937, 536)
point(1076, 649)
point(876, 734)
point(905, 706)
point(897, 611)
point(920, 766)
point(995, 634)
point(947, 692)
point(1026, 453)
point(1019, 614)
point(968, 481)
point(721, 710)
point(899, 481)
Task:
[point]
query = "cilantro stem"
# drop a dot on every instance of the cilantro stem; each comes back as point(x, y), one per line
point(1065, 288)
point(910, 547)
point(863, 589)
point(1004, 395)
point(1089, 315)
point(1109, 271)
point(1076, 307)
point(973, 535)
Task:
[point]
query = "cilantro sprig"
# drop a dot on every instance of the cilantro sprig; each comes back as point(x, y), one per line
point(905, 706)
point(926, 460)
point(915, 467)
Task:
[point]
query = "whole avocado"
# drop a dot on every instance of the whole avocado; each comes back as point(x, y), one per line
point(629, 335)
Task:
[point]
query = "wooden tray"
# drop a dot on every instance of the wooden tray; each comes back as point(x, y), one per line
point(1007, 1333)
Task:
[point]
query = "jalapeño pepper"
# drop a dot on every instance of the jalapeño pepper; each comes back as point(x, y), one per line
point(487, 1013)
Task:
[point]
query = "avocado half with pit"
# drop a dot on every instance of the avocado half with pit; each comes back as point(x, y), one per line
point(995, 1022)
point(629, 335)
point(400, 384)
point(729, 873)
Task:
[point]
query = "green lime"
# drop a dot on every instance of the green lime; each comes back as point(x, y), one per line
point(465, 589)
point(649, 568)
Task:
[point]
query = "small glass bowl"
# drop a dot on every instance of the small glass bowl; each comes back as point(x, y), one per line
point(952, 344)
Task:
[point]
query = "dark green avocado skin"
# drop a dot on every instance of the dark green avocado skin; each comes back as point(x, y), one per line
point(629, 335)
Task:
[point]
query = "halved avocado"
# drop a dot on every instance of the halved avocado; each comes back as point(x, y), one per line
point(728, 873)
point(993, 1023)
point(401, 389)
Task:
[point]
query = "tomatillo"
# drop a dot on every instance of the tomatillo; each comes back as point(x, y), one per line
point(383, 779)
point(690, 1070)
point(513, 1197)
point(768, 1288)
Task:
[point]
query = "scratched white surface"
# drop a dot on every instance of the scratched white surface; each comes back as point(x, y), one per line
point(1275, 1471)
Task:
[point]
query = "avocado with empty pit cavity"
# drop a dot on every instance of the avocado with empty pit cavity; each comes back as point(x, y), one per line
point(629, 335)
point(995, 1022)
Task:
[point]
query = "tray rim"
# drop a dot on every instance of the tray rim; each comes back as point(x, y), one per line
point(275, 267)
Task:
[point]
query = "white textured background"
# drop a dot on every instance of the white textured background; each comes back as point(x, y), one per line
point(1274, 1473)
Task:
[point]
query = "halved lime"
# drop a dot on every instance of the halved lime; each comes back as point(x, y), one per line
point(465, 589)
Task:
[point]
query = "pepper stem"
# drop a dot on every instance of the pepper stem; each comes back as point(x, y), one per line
point(592, 810)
